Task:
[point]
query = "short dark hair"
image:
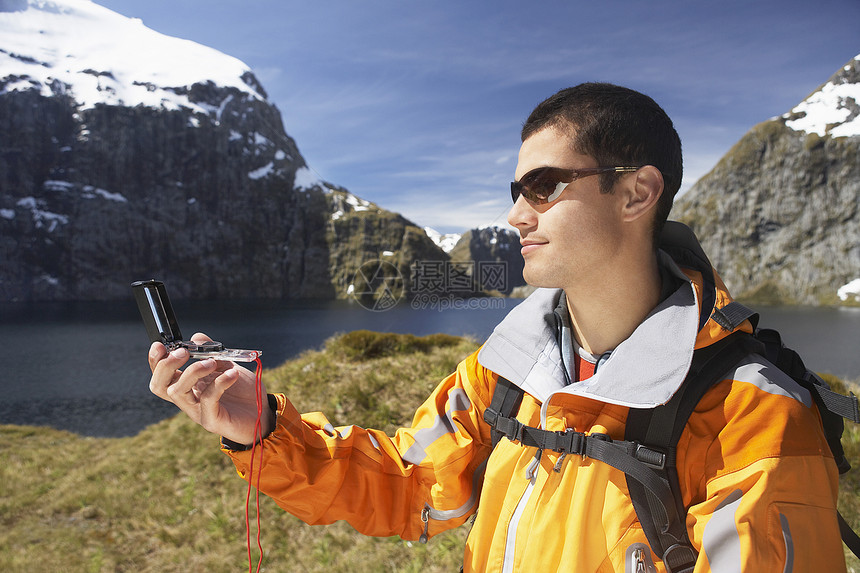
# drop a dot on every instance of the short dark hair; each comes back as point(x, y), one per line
point(616, 126)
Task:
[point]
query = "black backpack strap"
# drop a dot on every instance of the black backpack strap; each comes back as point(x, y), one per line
point(789, 361)
point(849, 536)
point(844, 406)
point(659, 429)
point(631, 458)
point(832, 406)
point(733, 315)
point(501, 415)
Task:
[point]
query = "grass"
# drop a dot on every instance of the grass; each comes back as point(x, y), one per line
point(167, 500)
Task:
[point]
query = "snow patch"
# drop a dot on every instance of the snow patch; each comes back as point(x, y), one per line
point(41, 217)
point(356, 203)
point(57, 185)
point(91, 192)
point(445, 242)
point(348, 203)
point(87, 191)
point(263, 171)
point(851, 289)
point(306, 179)
point(832, 110)
point(261, 141)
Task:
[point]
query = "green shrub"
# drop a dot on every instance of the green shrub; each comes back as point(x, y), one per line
point(365, 344)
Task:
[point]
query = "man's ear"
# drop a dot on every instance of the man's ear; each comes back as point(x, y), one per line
point(643, 192)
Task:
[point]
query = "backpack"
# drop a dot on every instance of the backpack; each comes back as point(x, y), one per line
point(647, 453)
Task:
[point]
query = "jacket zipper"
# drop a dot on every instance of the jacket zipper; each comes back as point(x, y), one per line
point(428, 512)
point(639, 561)
point(425, 517)
point(513, 524)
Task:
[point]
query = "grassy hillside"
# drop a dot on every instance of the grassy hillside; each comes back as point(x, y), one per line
point(168, 500)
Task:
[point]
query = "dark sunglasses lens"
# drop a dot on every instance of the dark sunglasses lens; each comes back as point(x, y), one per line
point(517, 189)
point(537, 185)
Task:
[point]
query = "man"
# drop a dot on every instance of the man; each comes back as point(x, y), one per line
point(613, 328)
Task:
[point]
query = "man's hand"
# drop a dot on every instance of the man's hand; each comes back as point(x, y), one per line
point(218, 395)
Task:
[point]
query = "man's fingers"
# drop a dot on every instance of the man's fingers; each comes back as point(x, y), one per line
point(181, 391)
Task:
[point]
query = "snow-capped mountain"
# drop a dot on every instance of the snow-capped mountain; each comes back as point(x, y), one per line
point(833, 109)
point(445, 241)
point(128, 154)
point(97, 56)
point(495, 248)
point(779, 215)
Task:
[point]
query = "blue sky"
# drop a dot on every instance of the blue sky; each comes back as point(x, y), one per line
point(417, 105)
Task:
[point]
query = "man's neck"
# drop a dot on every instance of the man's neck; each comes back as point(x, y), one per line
point(605, 314)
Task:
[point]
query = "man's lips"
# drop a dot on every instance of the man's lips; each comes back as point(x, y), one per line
point(531, 245)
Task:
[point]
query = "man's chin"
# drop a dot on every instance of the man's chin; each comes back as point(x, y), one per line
point(538, 280)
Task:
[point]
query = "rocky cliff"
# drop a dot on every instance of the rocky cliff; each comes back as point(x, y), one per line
point(491, 250)
point(363, 236)
point(119, 163)
point(778, 215)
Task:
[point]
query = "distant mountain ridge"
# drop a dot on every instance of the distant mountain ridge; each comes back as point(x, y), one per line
point(126, 154)
point(779, 215)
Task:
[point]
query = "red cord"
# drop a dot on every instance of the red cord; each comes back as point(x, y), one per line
point(258, 435)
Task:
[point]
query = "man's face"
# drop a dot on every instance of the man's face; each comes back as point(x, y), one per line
point(570, 242)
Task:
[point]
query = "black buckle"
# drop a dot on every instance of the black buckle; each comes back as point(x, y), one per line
point(680, 558)
point(490, 416)
point(568, 441)
point(510, 427)
point(650, 457)
point(564, 441)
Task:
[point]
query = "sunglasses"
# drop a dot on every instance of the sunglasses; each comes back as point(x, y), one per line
point(545, 184)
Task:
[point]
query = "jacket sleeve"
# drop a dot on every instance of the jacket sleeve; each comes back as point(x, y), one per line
point(424, 479)
point(768, 483)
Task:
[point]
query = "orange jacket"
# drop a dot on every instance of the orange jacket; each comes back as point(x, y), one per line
point(754, 468)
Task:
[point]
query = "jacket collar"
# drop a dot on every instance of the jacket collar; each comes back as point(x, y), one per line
point(645, 370)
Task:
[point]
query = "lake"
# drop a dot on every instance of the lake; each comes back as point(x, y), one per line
point(82, 366)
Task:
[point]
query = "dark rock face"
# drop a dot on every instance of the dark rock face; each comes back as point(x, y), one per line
point(778, 215)
point(91, 200)
point(360, 233)
point(96, 198)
